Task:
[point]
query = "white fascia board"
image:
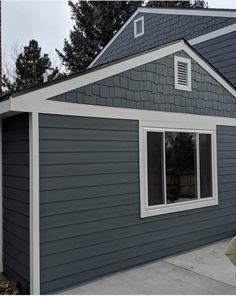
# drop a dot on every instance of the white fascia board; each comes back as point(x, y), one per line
point(213, 34)
point(114, 37)
point(85, 110)
point(99, 74)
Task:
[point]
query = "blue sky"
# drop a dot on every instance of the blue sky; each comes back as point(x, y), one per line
point(47, 21)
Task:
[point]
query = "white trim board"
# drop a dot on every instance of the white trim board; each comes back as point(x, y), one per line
point(39, 96)
point(196, 12)
point(84, 110)
point(213, 34)
point(34, 205)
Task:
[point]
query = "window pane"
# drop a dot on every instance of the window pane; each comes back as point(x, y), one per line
point(155, 168)
point(181, 172)
point(205, 165)
point(139, 27)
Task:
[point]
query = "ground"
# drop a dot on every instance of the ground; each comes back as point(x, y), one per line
point(203, 271)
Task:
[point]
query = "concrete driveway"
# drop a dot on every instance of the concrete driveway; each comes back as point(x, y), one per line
point(203, 271)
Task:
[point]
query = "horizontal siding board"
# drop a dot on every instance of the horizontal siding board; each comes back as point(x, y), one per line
point(87, 215)
point(125, 254)
point(87, 229)
point(16, 182)
point(78, 278)
point(84, 181)
point(87, 169)
point(18, 277)
point(16, 194)
point(15, 230)
point(132, 241)
point(67, 146)
point(16, 206)
point(16, 170)
point(91, 157)
point(16, 158)
point(75, 134)
point(17, 254)
point(15, 147)
point(88, 192)
point(73, 122)
point(93, 203)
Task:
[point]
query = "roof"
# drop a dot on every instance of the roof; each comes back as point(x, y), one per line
point(224, 21)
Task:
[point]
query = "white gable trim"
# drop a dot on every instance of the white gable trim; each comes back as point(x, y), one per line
point(195, 12)
point(213, 34)
point(99, 74)
point(188, 11)
point(114, 37)
point(42, 94)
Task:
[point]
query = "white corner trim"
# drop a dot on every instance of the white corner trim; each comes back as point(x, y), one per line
point(186, 61)
point(34, 204)
point(1, 201)
point(212, 35)
point(145, 209)
point(140, 19)
point(114, 37)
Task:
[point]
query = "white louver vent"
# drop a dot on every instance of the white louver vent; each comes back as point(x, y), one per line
point(182, 73)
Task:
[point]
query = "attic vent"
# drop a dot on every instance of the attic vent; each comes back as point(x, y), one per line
point(138, 27)
point(182, 73)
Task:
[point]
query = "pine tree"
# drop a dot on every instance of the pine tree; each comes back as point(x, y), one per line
point(96, 22)
point(30, 66)
point(179, 4)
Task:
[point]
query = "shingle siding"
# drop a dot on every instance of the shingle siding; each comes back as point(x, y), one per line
point(151, 87)
point(89, 202)
point(15, 148)
point(160, 29)
point(220, 52)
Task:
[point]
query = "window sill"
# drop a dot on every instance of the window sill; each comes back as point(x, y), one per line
point(177, 207)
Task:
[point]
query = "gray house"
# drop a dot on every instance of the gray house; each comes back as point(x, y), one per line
point(124, 163)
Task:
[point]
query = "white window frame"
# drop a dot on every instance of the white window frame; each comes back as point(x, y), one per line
point(135, 26)
point(145, 209)
point(187, 61)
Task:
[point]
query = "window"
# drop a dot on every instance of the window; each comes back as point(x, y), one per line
point(138, 27)
point(177, 170)
point(182, 73)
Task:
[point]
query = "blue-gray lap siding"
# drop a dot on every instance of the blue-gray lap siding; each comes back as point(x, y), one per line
point(160, 29)
point(220, 52)
point(90, 221)
point(151, 87)
point(15, 166)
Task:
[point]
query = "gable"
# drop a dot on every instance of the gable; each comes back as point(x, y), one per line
point(160, 29)
point(151, 87)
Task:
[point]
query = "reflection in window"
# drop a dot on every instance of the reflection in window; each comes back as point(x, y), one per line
point(205, 165)
point(155, 168)
point(181, 168)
